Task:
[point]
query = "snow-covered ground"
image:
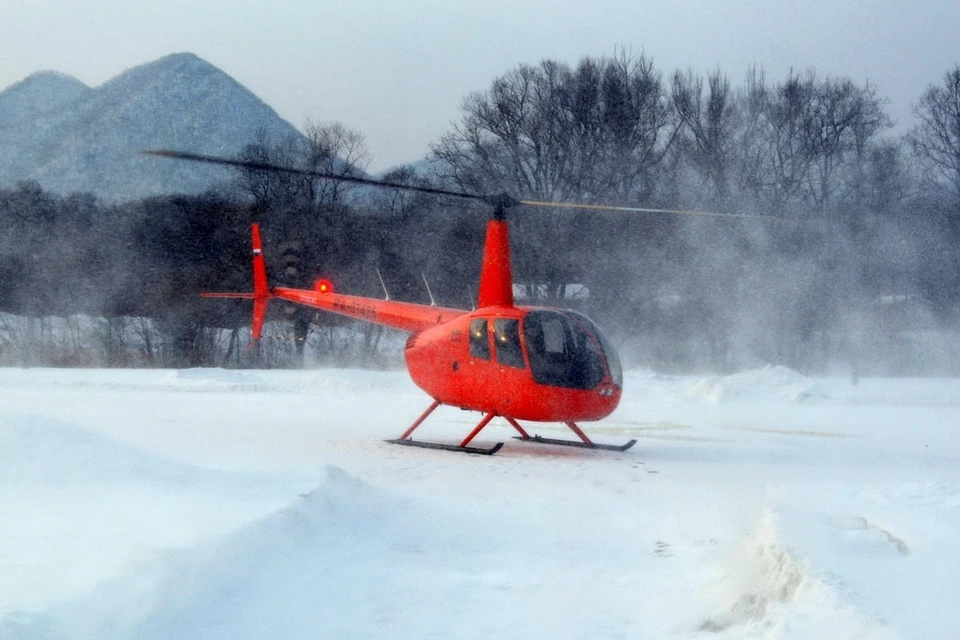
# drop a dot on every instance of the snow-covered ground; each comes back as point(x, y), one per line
point(249, 504)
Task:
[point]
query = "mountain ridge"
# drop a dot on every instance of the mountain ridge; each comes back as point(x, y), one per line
point(40, 91)
point(72, 138)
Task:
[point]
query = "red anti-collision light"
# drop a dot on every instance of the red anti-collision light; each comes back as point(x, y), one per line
point(323, 286)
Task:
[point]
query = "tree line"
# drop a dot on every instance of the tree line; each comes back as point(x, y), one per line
point(851, 262)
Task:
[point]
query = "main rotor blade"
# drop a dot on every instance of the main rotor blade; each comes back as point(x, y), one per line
point(265, 166)
point(605, 207)
point(500, 202)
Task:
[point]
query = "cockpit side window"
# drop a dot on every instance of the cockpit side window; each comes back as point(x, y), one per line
point(506, 335)
point(479, 340)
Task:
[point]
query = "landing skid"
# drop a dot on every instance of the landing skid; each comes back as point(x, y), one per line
point(583, 443)
point(448, 447)
point(575, 443)
point(462, 447)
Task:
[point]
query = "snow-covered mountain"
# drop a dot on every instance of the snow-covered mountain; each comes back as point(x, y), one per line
point(38, 94)
point(70, 137)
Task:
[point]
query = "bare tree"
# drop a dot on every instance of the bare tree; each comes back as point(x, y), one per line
point(936, 140)
point(842, 121)
point(329, 148)
point(553, 133)
point(638, 124)
point(710, 123)
point(806, 142)
point(507, 139)
point(271, 189)
point(786, 151)
point(598, 132)
point(337, 150)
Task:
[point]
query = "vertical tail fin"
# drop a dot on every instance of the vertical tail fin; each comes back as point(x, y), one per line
point(261, 290)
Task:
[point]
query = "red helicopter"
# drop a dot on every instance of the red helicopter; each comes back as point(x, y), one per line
point(535, 364)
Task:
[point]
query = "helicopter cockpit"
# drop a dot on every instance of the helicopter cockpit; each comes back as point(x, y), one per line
point(566, 349)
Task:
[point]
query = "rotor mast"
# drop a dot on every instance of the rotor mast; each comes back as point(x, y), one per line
point(496, 277)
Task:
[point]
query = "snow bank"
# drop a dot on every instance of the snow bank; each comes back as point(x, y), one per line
point(77, 506)
point(342, 559)
point(781, 384)
point(890, 548)
point(36, 449)
point(764, 591)
point(770, 383)
point(350, 560)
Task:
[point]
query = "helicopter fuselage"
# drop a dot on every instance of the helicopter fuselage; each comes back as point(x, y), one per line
point(528, 363)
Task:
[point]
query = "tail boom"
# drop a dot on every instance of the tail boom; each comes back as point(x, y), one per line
point(405, 316)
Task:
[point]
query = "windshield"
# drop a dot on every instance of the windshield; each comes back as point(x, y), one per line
point(561, 350)
point(613, 360)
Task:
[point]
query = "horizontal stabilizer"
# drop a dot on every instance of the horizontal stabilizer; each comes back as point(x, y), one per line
point(244, 296)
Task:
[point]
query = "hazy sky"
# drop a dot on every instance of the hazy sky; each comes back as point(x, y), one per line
point(397, 70)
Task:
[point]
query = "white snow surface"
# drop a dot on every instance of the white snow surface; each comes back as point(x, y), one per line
point(263, 504)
